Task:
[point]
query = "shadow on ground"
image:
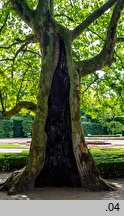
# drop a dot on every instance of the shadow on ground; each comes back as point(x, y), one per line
point(66, 193)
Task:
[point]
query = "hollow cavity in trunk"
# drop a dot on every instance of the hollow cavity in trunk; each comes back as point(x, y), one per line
point(60, 167)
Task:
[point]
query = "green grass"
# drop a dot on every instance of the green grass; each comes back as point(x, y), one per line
point(14, 145)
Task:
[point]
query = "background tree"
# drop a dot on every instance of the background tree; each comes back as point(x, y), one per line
point(58, 154)
point(114, 127)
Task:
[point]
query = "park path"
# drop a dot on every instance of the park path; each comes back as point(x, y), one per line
point(51, 193)
point(112, 141)
point(105, 143)
point(22, 141)
point(15, 140)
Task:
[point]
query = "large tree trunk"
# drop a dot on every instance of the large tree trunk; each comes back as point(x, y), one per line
point(58, 154)
point(60, 167)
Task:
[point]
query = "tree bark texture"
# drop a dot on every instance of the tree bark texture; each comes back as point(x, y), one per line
point(60, 167)
point(58, 153)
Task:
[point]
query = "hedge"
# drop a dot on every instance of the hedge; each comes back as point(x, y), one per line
point(16, 127)
point(6, 128)
point(27, 127)
point(110, 162)
point(111, 169)
point(93, 128)
point(107, 170)
point(22, 127)
point(12, 161)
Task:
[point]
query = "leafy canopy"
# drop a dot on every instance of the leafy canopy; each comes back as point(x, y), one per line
point(101, 92)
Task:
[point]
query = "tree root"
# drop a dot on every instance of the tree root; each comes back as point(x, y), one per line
point(104, 185)
point(17, 182)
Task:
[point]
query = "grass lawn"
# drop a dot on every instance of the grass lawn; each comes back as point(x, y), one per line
point(13, 146)
point(100, 155)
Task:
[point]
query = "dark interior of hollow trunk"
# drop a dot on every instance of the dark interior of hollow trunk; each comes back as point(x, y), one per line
point(60, 167)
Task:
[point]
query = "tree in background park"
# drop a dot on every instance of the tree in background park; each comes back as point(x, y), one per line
point(58, 153)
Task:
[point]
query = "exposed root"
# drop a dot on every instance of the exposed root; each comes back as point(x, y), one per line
point(101, 184)
point(17, 182)
point(107, 186)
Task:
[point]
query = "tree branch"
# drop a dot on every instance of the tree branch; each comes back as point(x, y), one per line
point(4, 23)
point(52, 7)
point(105, 57)
point(22, 9)
point(20, 105)
point(20, 88)
point(95, 33)
point(1, 100)
point(89, 20)
point(118, 40)
point(64, 15)
point(33, 52)
point(71, 3)
point(29, 39)
point(97, 78)
point(44, 6)
point(19, 50)
point(6, 59)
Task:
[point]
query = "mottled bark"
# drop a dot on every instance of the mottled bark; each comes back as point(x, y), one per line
point(60, 167)
point(58, 154)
